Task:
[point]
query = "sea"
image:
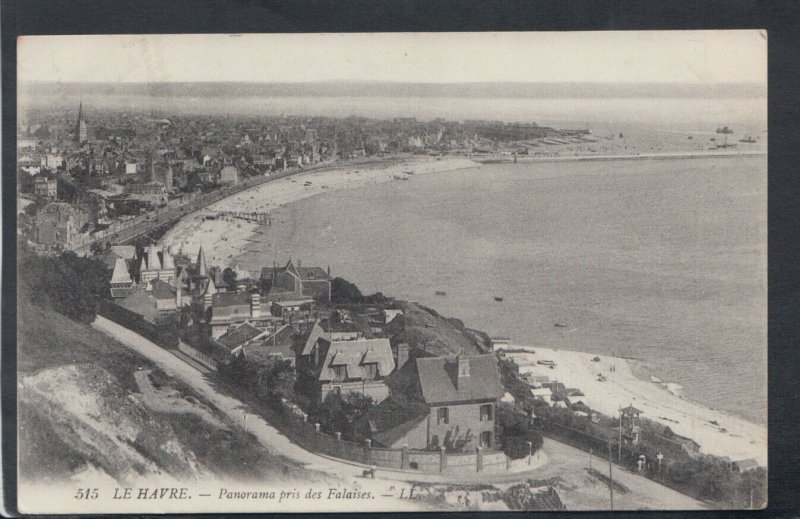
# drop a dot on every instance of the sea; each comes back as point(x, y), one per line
point(663, 261)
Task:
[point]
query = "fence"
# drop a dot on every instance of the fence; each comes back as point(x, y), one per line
point(199, 356)
point(136, 323)
point(312, 438)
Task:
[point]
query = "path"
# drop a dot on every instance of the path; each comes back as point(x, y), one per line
point(564, 461)
point(580, 491)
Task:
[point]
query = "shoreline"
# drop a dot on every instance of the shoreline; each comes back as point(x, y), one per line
point(732, 436)
point(225, 241)
point(610, 157)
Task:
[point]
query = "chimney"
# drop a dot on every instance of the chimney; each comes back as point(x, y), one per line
point(255, 306)
point(463, 383)
point(402, 354)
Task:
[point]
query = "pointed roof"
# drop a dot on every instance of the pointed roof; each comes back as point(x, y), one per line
point(169, 263)
point(121, 274)
point(202, 269)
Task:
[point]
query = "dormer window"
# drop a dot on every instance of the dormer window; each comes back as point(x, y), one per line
point(371, 371)
point(340, 372)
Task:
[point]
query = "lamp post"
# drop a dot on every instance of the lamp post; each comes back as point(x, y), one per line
point(659, 457)
point(530, 451)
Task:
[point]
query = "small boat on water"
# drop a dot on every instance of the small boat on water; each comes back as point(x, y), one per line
point(748, 138)
point(441, 293)
point(408, 172)
point(498, 299)
point(561, 325)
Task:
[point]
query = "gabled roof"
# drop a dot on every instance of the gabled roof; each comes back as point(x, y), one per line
point(121, 274)
point(438, 379)
point(355, 355)
point(241, 334)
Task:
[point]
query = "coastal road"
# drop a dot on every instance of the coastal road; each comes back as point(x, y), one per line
point(580, 490)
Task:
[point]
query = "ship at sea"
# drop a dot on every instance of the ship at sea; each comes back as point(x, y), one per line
point(724, 129)
point(748, 139)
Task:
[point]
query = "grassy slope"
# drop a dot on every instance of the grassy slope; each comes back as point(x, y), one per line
point(50, 442)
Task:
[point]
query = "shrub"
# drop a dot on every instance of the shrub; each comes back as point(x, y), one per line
point(516, 438)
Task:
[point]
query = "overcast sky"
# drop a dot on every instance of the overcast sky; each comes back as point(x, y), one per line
point(647, 56)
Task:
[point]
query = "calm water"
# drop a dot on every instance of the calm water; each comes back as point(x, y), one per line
point(663, 261)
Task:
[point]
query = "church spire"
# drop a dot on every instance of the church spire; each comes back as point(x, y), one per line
point(202, 269)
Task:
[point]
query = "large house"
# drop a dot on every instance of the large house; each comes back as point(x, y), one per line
point(448, 403)
point(345, 366)
point(230, 309)
point(297, 283)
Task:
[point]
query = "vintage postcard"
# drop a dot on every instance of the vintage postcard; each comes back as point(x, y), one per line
point(392, 272)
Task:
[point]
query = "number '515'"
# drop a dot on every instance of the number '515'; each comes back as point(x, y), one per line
point(86, 493)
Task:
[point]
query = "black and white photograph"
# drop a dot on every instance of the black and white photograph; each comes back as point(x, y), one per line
point(397, 271)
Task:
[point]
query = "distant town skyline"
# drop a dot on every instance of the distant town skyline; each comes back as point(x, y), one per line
point(693, 57)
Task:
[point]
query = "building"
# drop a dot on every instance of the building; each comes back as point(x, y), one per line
point(121, 284)
point(230, 309)
point(229, 175)
point(156, 263)
point(81, 129)
point(321, 333)
point(240, 336)
point(151, 192)
point(460, 396)
point(354, 366)
point(59, 223)
point(290, 282)
point(45, 187)
point(280, 345)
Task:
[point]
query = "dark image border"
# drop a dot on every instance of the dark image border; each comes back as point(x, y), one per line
point(780, 18)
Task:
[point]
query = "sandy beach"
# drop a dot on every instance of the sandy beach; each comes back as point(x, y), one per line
point(660, 401)
point(226, 237)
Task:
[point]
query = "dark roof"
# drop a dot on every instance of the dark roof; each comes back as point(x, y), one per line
point(280, 344)
point(162, 289)
point(438, 379)
point(312, 273)
point(222, 299)
point(238, 336)
point(390, 423)
point(630, 410)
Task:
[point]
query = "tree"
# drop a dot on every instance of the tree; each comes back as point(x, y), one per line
point(229, 277)
point(454, 441)
point(342, 291)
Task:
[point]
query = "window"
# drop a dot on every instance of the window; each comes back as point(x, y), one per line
point(486, 439)
point(435, 441)
point(486, 413)
point(340, 372)
point(443, 415)
point(371, 370)
point(337, 390)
